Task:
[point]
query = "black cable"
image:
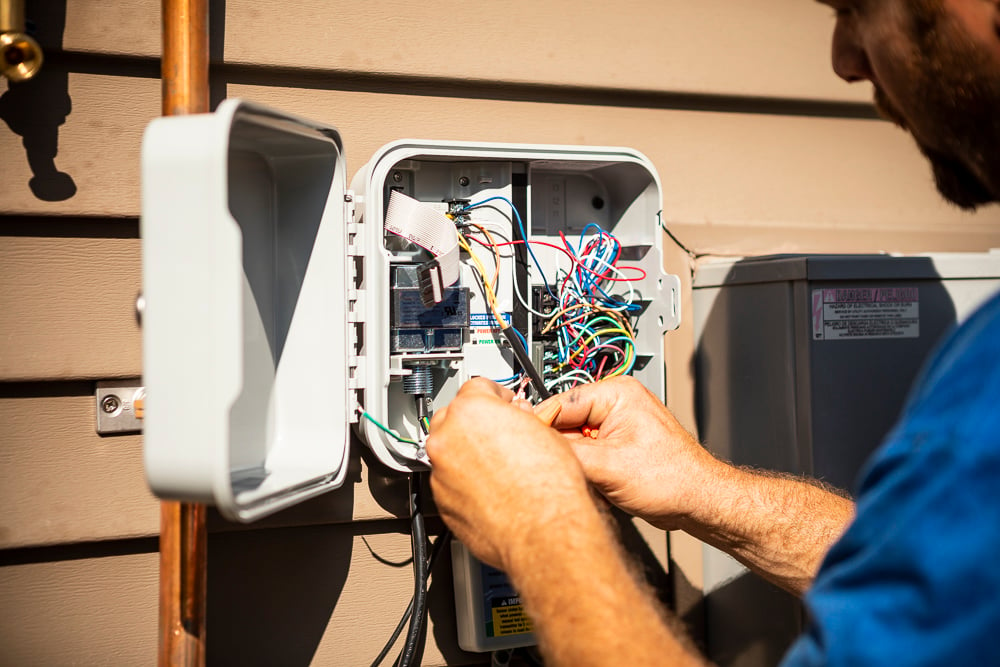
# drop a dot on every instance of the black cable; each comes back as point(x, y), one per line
point(525, 360)
point(439, 545)
point(418, 539)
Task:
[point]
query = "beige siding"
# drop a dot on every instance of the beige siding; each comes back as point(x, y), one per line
point(776, 48)
point(67, 308)
point(279, 597)
point(63, 483)
point(758, 146)
point(717, 168)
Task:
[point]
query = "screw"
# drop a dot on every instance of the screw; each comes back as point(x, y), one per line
point(110, 404)
point(396, 176)
point(463, 181)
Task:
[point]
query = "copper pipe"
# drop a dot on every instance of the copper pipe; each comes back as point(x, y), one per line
point(183, 584)
point(183, 537)
point(185, 57)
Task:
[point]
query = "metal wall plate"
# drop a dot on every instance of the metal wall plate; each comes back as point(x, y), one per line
point(120, 405)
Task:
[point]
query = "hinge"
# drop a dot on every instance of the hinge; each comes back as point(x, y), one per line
point(349, 206)
point(356, 305)
point(354, 243)
point(355, 373)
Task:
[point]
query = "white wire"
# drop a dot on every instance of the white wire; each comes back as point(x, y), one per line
point(566, 377)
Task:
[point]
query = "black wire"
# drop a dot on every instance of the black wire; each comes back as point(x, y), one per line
point(677, 241)
point(522, 358)
point(418, 538)
point(439, 544)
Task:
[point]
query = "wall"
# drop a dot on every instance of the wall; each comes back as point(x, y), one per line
point(759, 147)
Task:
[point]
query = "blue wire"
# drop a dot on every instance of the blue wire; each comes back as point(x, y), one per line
point(604, 256)
point(523, 341)
point(524, 235)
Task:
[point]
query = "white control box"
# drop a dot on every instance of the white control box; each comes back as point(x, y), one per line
point(279, 311)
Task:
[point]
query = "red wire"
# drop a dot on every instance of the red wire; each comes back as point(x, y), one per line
point(572, 257)
point(600, 367)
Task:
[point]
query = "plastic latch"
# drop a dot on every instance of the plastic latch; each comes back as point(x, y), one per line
point(355, 376)
point(356, 306)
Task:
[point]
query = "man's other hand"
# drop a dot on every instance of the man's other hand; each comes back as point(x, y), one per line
point(501, 477)
point(635, 452)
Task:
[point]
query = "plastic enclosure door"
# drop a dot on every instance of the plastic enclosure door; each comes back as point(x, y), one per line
point(244, 332)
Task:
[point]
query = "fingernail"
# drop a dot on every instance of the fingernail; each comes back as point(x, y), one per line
point(548, 412)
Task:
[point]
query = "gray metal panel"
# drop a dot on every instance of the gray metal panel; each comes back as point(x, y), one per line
point(772, 396)
point(745, 376)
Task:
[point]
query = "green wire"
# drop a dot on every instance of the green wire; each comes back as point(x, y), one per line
point(427, 423)
point(387, 430)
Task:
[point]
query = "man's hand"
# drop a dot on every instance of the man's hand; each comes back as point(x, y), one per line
point(499, 475)
point(642, 459)
point(512, 490)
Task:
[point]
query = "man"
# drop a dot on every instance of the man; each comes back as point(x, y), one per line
point(907, 575)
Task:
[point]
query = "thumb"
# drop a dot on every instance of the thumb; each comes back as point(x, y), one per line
point(586, 405)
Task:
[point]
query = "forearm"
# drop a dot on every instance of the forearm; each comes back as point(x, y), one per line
point(588, 607)
point(779, 526)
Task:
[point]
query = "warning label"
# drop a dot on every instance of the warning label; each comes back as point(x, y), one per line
point(509, 618)
point(484, 329)
point(866, 312)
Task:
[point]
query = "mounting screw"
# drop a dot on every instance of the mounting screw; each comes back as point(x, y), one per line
point(396, 176)
point(140, 308)
point(111, 403)
point(463, 181)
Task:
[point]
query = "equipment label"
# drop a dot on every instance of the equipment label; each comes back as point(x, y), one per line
point(484, 329)
point(866, 312)
point(509, 617)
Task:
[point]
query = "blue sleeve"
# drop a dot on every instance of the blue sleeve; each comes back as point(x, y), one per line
point(915, 580)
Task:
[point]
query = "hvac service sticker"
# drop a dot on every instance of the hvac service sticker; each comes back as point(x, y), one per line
point(866, 312)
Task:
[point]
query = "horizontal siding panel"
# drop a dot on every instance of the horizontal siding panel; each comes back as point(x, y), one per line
point(62, 483)
point(96, 145)
point(67, 308)
point(313, 595)
point(797, 172)
point(777, 48)
point(61, 613)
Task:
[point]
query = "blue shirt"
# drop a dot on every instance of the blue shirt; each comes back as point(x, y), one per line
point(915, 580)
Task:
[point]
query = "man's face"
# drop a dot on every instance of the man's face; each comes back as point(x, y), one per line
point(936, 72)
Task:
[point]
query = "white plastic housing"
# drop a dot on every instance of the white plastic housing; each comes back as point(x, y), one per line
point(560, 183)
point(244, 341)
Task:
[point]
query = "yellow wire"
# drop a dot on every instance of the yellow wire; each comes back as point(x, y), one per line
point(493, 249)
point(491, 297)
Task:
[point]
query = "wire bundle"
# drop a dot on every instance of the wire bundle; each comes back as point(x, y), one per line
point(594, 328)
point(594, 331)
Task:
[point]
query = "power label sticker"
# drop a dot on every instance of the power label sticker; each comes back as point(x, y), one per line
point(865, 313)
point(509, 618)
point(484, 329)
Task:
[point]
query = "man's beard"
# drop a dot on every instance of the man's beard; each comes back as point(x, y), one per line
point(955, 102)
